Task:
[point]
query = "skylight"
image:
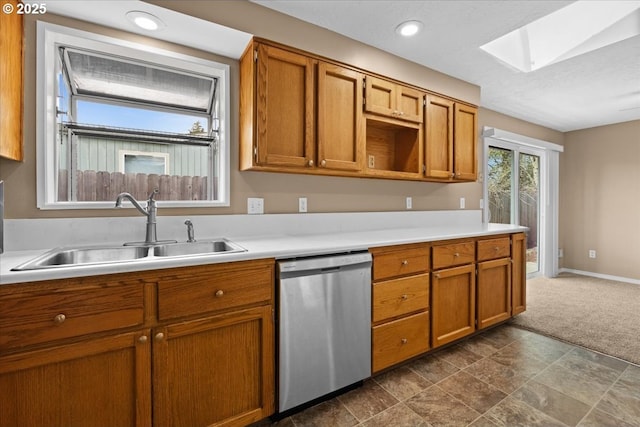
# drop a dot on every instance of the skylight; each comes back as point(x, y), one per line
point(576, 29)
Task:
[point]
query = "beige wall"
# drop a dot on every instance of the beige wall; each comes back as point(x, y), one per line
point(280, 191)
point(600, 200)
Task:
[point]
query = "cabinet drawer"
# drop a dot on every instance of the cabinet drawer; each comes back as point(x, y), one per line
point(394, 298)
point(400, 263)
point(396, 341)
point(219, 287)
point(453, 254)
point(51, 314)
point(494, 248)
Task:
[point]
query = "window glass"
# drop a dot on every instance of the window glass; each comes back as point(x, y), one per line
point(130, 118)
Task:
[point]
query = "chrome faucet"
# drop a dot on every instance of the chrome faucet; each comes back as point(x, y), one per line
point(190, 233)
point(151, 237)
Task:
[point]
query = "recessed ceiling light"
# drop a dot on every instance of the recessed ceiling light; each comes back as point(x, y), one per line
point(409, 28)
point(145, 20)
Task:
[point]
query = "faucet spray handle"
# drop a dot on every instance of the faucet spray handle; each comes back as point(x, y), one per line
point(153, 193)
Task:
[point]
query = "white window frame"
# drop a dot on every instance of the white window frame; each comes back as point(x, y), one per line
point(123, 153)
point(549, 188)
point(47, 170)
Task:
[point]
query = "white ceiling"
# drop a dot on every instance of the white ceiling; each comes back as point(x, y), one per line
point(597, 88)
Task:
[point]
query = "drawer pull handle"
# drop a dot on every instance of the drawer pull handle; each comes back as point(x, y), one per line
point(497, 249)
point(404, 340)
point(404, 296)
point(60, 318)
point(219, 293)
point(142, 339)
point(159, 336)
point(405, 262)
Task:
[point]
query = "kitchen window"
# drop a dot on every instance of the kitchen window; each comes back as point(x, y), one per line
point(118, 116)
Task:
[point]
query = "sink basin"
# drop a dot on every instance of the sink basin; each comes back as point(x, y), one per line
point(72, 257)
point(197, 248)
point(67, 257)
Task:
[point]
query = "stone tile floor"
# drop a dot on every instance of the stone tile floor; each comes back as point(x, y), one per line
point(504, 377)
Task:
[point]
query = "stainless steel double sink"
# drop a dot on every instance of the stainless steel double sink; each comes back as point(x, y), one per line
point(90, 255)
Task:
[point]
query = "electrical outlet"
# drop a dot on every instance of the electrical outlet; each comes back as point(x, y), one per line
point(302, 204)
point(461, 202)
point(255, 206)
point(592, 253)
point(560, 253)
point(481, 203)
point(409, 203)
point(371, 161)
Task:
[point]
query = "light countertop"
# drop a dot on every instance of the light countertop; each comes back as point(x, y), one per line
point(279, 246)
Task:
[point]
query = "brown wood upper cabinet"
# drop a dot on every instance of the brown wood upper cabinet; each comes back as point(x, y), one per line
point(393, 100)
point(283, 94)
point(11, 84)
point(450, 140)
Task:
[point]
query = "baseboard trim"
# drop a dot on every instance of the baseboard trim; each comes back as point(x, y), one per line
point(601, 276)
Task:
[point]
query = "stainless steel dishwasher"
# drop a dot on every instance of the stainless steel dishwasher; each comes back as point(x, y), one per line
point(324, 326)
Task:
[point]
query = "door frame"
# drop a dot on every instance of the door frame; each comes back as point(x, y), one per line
point(549, 188)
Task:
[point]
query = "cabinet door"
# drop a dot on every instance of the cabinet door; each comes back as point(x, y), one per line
point(465, 145)
point(97, 382)
point(341, 123)
point(519, 274)
point(285, 108)
point(494, 292)
point(410, 104)
point(380, 97)
point(439, 138)
point(218, 370)
point(11, 84)
point(453, 303)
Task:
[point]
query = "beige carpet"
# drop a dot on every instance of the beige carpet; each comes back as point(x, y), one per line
point(598, 314)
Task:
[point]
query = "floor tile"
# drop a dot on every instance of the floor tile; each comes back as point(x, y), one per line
point(608, 361)
point(553, 403)
point(519, 358)
point(480, 346)
point(326, 414)
point(402, 382)
point(542, 348)
point(483, 422)
point(498, 375)
point(505, 335)
point(473, 392)
point(511, 412)
point(399, 415)
point(597, 418)
point(623, 398)
point(432, 368)
point(441, 409)
point(458, 356)
point(585, 389)
point(367, 401)
point(588, 369)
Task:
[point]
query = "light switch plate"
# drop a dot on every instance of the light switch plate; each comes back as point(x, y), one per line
point(255, 206)
point(409, 203)
point(302, 204)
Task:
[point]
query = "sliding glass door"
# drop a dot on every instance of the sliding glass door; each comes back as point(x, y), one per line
point(514, 193)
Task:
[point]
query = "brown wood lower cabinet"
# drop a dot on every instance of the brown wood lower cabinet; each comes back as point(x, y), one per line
point(210, 371)
point(494, 292)
point(399, 340)
point(519, 275)
point(453, 304)
point(96, 382)
point(212, 363)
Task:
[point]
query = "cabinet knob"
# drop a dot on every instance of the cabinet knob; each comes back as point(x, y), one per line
point(219, 293)
point(323, 163)
point(405, 296)
point(456, 255)
point(437, 276)
point(60, 318)
point(143, 339)
point(497, 249)
point(453, 175)
point(405, 262)
point(159, 336)
point(310, 163)
point(404, 340)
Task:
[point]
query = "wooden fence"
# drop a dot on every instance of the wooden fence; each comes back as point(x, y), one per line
point(105, 186)
point(501, 213)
